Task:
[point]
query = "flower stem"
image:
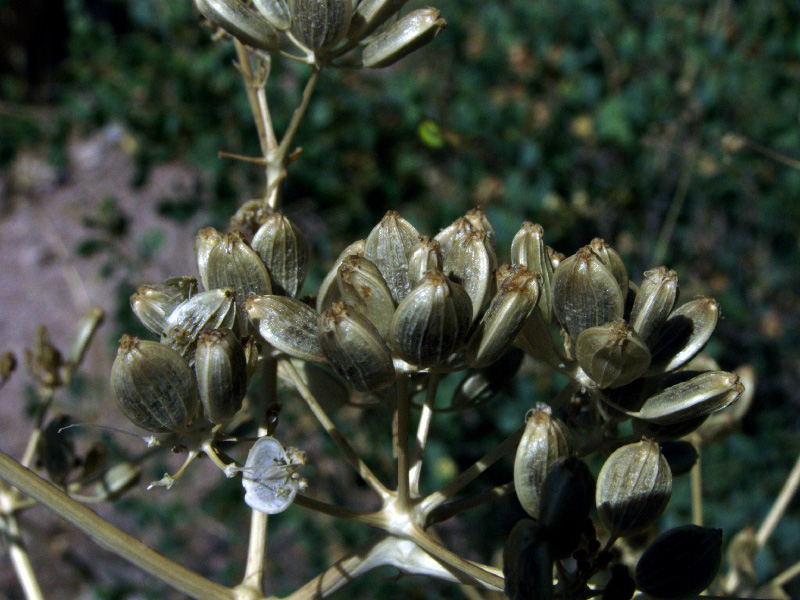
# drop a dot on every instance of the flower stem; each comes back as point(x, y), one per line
point(423, 428)
point(401, 442)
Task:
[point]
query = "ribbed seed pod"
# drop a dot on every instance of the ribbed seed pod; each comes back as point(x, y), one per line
point(423, 256)
point(153, 386)
point(654, 301)
point(528, 248)
point(455, 231)
point(152, 304)
point(543, 442)
point(480, 386)
point(663, 433)
point(329, 288)
point(633, 488)
point(286, 324)
point(207, 310)
point(276, 12)
point(431, 323)
point(508, 311)
point(249, 217)
point(241, 21)
point(527, 563)
point(388, 245)
point(612, 354)
point(369, 15)
point(320, 24)
point(471, 263)
point(283, 248)
point(536, 339)
point(363, 288)
point(203, 245)
point(411, 32)
point(220, 366)
point(477, 218)
point(684, 334)
point(567, 498)
point(232, 263)
point(609, 257)
point(355, 350)
point(680, 563)
point(585, 293)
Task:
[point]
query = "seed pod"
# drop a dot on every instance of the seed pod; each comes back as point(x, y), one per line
point(270, 476)
point(249, 218)
point(286, 324)
point(693, 553)
point(329, 288)
point(633, 488)
point(117, 480)
point(567, 498)
point(654, 301)
point(423, 256)
point(207, 310)
point(528, 248)
point(220, 365)
point(455, 231)
point(320, 24)
point(507, 313)
point(388, 245)
point(413, 31)
point(362, 287)
point(369, 15)
point(471, 263)
point(527, 563)
point(203, 245)
point(585, 293)
point(153, 385)
point(276, 12)
point(56, 449)
point(477, 218)
point(620, 585)
point(154, 303)
point(241, 21)
point(609, 257)
point(480, 386)
point(612, 354)
point(323, 384)
point(680, 454)
point(232, 263)
point(536, 339)
point(543, 442)
point(284, 250)
point(684, 334)
point(663, 433)
point(355, 349)
point(432, 322)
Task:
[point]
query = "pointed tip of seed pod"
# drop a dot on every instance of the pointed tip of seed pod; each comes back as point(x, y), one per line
point(127, 343)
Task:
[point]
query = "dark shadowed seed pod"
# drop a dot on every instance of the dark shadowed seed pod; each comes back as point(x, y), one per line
point(220, 366)
point(536, 339)
point(528, 248)
point(354, 349)
point(276, 12)
point(286, 324)
point(585, 293)
point(507, 313)
point(479, 386)
point(680, 454)
point(207, 310)
point(423, 256)
point(543, 442)
point(232, 263)
point(654, 301)
point(153, 386)
point(527, 563)
point(567, 498)
point(663, 433)
point(154, 303)
point(320, 24)
point(369, 15)
point(455, 231)
point(284, 250)
point(323, 384)
point(471, 263)
point(612, 354)
point(411, 32)
point(432, 321)
point(387, 246)
point(362, 287)
point(609, 257)
point(684, 334)
point(241, 21)
point(203, 245)
point(620, 586)
point(57, 450)
point(329, 288)
point(633, 488)
point(680, 563)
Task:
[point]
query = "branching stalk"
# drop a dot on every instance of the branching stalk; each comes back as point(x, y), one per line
point(446, 511)
point(403, 408)
point(423, 428)
point(779, 506)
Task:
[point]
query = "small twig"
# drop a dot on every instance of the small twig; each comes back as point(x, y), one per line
point(697, 485)
point(252, 95)
point(446, 511)
point(403, 409)
point(9, 527)
point(786, 576)
point(423, 428)
point(372, 519)
point(779, 506)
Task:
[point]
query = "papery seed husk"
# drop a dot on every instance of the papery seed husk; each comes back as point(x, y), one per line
point(544, 441)
point(455, 231)
point(207, 310)
point(726, 421)
point(527, 563)
point(153, 304)
point(269, 477)
point(249, 218)
point(362, 287)
point(203, 245)
point(284, 250)
point(276, 12)
point(371, 14)
point(220, 365)
point(609, 257)
point(654, 302)
point(612, 354)
point(536, 339)
point(411, 32)
point(432, 321)
point(567, 497)
point(286, 324)
point(354, 349)
point(477, 218)
point(684, 334)
point(585, 293)
point(423, 256)
point(633, 488)
point(153, 386)
point(241, 21)
point(528, 248)
point(480, 386)
point(387, 246)
point(117, 480)
point(329, 288)
point(508, 312)
point(320, 24)
point(471, 263)
point(232, 263)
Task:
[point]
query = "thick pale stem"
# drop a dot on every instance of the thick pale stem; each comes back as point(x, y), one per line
point(373, 519)
point(401, 445)
point(252, 87)
point(779, 506)
point(423, 428)
point(9, 527)
point(697, 487)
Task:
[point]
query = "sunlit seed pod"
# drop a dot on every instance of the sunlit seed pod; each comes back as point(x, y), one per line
point(117, 480)
point(270, 476)
point(411, 32)
point(508, 312)
point(544, 441)
point(620, 585)
point(284, 250)
point(423, 256)
point(680, 563)
point(241, 21)
point(633, 488)
point(232, 263)
point(362, 287)
point(680, 454)
point(585, 293)
point(700, 395)
point(455, 231)
point(276, 12)
point(471, 263)
point(387, 246)
point(207, 310)
point(477, 218)
point(220, 366)
point(249, 217)
point(654, 302)
point(609, 257)
point(567, 497)
point(555, 257)
point(527, 563)
point(153, 386)
point(152, 304)
point(726, 421)
point(329, 288)
point(432, 322)
point(371, 14)
point(320, 24)
point(355, 349)
point(528, 248)
point(204, 243)
point(684, 334)
point(612, 354)
point(286, 324)
point(480, 386)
